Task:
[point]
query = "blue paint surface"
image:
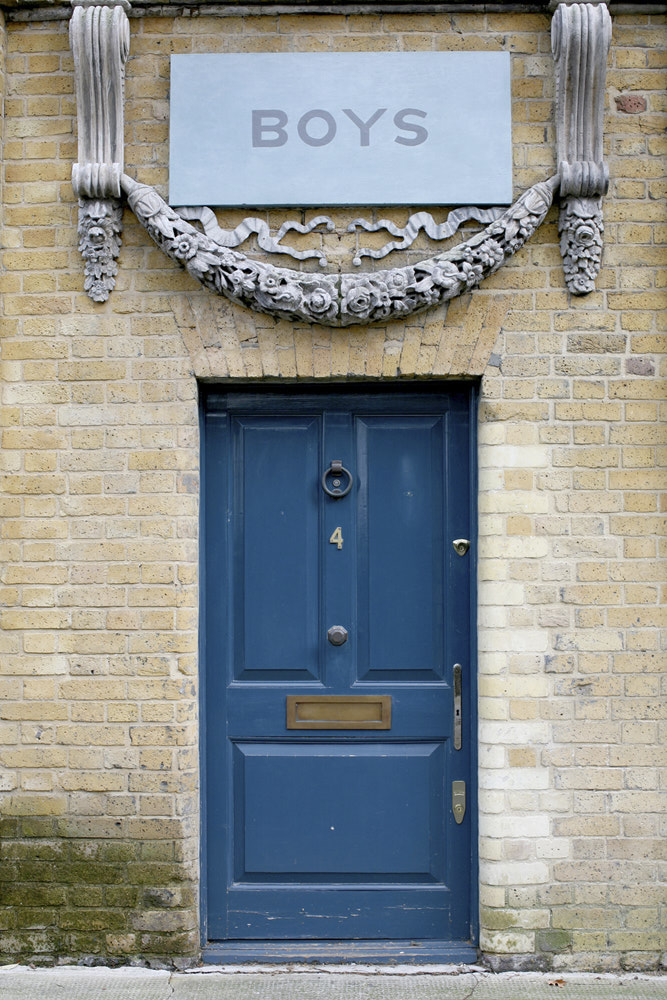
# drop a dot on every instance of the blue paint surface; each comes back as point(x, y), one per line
point(336, 834)
point(388, 793)
point(276, 537)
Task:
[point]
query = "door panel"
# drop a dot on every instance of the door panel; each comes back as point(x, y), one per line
point(336, 833)
point(276, 535)
point(303, 795)
point(400, 569)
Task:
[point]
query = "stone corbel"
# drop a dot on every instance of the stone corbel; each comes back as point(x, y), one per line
point(580, 39)
point(100, 41)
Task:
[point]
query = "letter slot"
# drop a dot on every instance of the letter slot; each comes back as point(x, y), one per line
point(317, 711)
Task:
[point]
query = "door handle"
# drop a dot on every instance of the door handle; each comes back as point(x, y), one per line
point(337, 471)
point(337, 635)
point(457, 706)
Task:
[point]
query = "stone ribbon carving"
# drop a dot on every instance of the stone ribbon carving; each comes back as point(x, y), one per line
point(406, 235)
point(234, 237)
point(339, 299)
point(580, 39)
point(418, 221)
point(100, 41)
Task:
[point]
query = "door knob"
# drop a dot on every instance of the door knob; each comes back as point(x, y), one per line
point(337, 635)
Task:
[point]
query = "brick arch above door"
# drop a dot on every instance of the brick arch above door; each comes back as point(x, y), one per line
point(226, 341)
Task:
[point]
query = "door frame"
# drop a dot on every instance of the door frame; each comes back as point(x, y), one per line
point(336, 952)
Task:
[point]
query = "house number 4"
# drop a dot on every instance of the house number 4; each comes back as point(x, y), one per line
point(337, 538)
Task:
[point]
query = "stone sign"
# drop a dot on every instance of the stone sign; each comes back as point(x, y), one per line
point(417, 128)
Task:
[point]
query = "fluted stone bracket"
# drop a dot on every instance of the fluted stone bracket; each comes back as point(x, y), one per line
point(100, 41)
point(580, 39)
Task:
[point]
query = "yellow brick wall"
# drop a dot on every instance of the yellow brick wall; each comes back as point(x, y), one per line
point(100, 503)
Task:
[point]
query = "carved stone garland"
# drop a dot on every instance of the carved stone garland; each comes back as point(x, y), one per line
point(332, 299)
point(100, 42)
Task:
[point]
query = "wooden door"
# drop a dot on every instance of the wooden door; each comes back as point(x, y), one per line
point(336, 610)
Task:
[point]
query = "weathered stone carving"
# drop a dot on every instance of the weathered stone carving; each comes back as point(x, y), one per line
point(580, 39)
point(234, 237)
point(418, 221)
point(339, 300)
point(580, 226)
point(99, 242)
point(407, 234)
point(100, 40)
point(99, 32)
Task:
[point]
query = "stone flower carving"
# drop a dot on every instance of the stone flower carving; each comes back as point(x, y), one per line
point(321, 302)
point(581, 227)
point(184, 247)
point(365, 295)
point(99, 243)
point(339, 299)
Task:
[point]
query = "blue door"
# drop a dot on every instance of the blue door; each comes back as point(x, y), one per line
point(338, 689)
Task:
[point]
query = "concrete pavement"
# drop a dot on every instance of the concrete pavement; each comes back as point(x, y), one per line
point(321, 983)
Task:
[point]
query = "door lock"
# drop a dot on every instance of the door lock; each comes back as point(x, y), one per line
point(337, 635)
point(459, 800)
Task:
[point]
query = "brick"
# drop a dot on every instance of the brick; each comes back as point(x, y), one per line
point(100, 505)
